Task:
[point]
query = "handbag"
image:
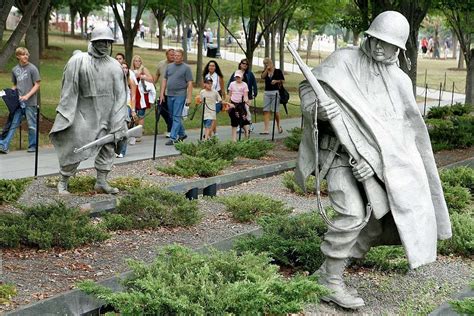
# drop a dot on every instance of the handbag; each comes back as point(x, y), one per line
point(284, 95)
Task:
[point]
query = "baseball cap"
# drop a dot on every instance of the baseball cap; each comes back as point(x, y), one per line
point(238, 73)
point(208, 79)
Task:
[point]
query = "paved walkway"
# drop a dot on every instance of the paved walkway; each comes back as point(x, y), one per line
point(20, 164)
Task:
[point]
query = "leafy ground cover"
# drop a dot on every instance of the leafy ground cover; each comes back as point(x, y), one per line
point(180, 281)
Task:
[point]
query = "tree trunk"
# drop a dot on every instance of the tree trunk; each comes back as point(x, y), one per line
point(73, 20)
point(184, 43)
point(44, 12)
point(22, 27)
point(86, 22)
point(266, 36)
point(355, 37)
point(41, 27)
point(199, 56)
point(281, 46)
point(273, 47)
point(310, 45)
point(454, 44)
point(160, 35)
point(470, 78)
point(6, 6)
point(83, 31)
point(46, 29)
point(32, 40)
point(461, 60)
point(300, 33)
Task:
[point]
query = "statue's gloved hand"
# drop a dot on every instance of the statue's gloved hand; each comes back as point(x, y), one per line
point(119, 135)
point(328, 110)
point(362, 171)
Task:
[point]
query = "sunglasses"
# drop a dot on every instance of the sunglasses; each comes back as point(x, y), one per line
point(243, 63)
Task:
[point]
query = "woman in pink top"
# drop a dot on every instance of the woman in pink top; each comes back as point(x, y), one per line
point(238, 95)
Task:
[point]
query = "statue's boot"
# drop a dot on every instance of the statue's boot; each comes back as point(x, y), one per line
point(101, 184)
point(334, 282)
point(63, 185)
point(321, 273)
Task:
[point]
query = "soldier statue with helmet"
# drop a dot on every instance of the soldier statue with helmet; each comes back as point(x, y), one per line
point(362, 124)
point(92, 106)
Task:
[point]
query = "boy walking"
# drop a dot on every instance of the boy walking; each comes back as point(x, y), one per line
point(26, 80)
point(209, 97)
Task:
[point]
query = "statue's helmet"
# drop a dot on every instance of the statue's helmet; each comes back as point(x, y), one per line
point(102, 33)
point(391, 27)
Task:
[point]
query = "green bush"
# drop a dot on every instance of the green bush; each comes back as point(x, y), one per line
point(464, 306)
point(444, 112)
point(152, 207)
point(248, 207)
point(254, 148)
point(386, 258)
point(292, 142)
point(189, 166)
point(182, 282)
point(457, 198)
point(454, 132)
point(7, 292)
point(11, 190)
point(291, 241)
point(46, 226)
point(462, 241)
point(211, 149)
point(77, 184)
point(129, 184)
point(462, 176)
point(289, 181)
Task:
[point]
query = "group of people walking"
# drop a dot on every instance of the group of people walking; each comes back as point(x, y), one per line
point(174, 79)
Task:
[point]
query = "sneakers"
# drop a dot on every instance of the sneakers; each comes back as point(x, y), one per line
point(3, 150)
point(170, 142)
point(168, 134)
point(181, 138)
point(31, 150)
point(119, 155)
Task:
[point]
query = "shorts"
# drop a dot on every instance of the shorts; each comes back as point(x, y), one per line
point(269, 101)
point(141, 113)
point(236, 115)
point(218, 107)
point(207, 123)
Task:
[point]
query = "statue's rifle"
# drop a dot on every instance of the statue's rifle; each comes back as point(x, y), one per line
point(376, 195)
point(137, 131)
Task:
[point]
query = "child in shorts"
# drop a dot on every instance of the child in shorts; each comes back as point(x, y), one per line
point(209, 98)
point(239, 99)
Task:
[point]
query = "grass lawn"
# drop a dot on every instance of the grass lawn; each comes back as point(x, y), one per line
point(51, 68)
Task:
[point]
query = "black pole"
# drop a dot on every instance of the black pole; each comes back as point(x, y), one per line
point(452, 95)
point(241, 120)
point(37, 138)
point(202, 117)
point(426, 73)
point(444, 84)
point(255, 109)
point(157, 119)
point(439, 98)
point(426, 94)
point(274, 118)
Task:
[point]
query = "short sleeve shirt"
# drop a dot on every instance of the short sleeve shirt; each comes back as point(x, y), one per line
point(24, 77)
point(238, 91)
point(177, 76)
point(161, 71)
point(212, 97)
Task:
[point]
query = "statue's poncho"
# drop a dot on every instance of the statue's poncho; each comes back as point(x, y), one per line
point(93, 104)
point(383, 121)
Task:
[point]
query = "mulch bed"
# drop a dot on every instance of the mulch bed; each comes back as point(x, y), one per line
point(39, 274)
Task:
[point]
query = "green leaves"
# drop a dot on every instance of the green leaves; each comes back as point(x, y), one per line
point(11, 190)
point(181, 281)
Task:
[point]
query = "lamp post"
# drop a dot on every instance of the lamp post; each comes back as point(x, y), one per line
point(218, 53)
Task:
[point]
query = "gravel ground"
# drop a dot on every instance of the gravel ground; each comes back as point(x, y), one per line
point(40, 274)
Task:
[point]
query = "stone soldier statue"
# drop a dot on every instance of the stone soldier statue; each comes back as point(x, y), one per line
point(92, 105)
point(373, 100)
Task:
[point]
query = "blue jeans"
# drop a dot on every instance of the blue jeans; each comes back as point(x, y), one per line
point(30, 112)
point(175, 106)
